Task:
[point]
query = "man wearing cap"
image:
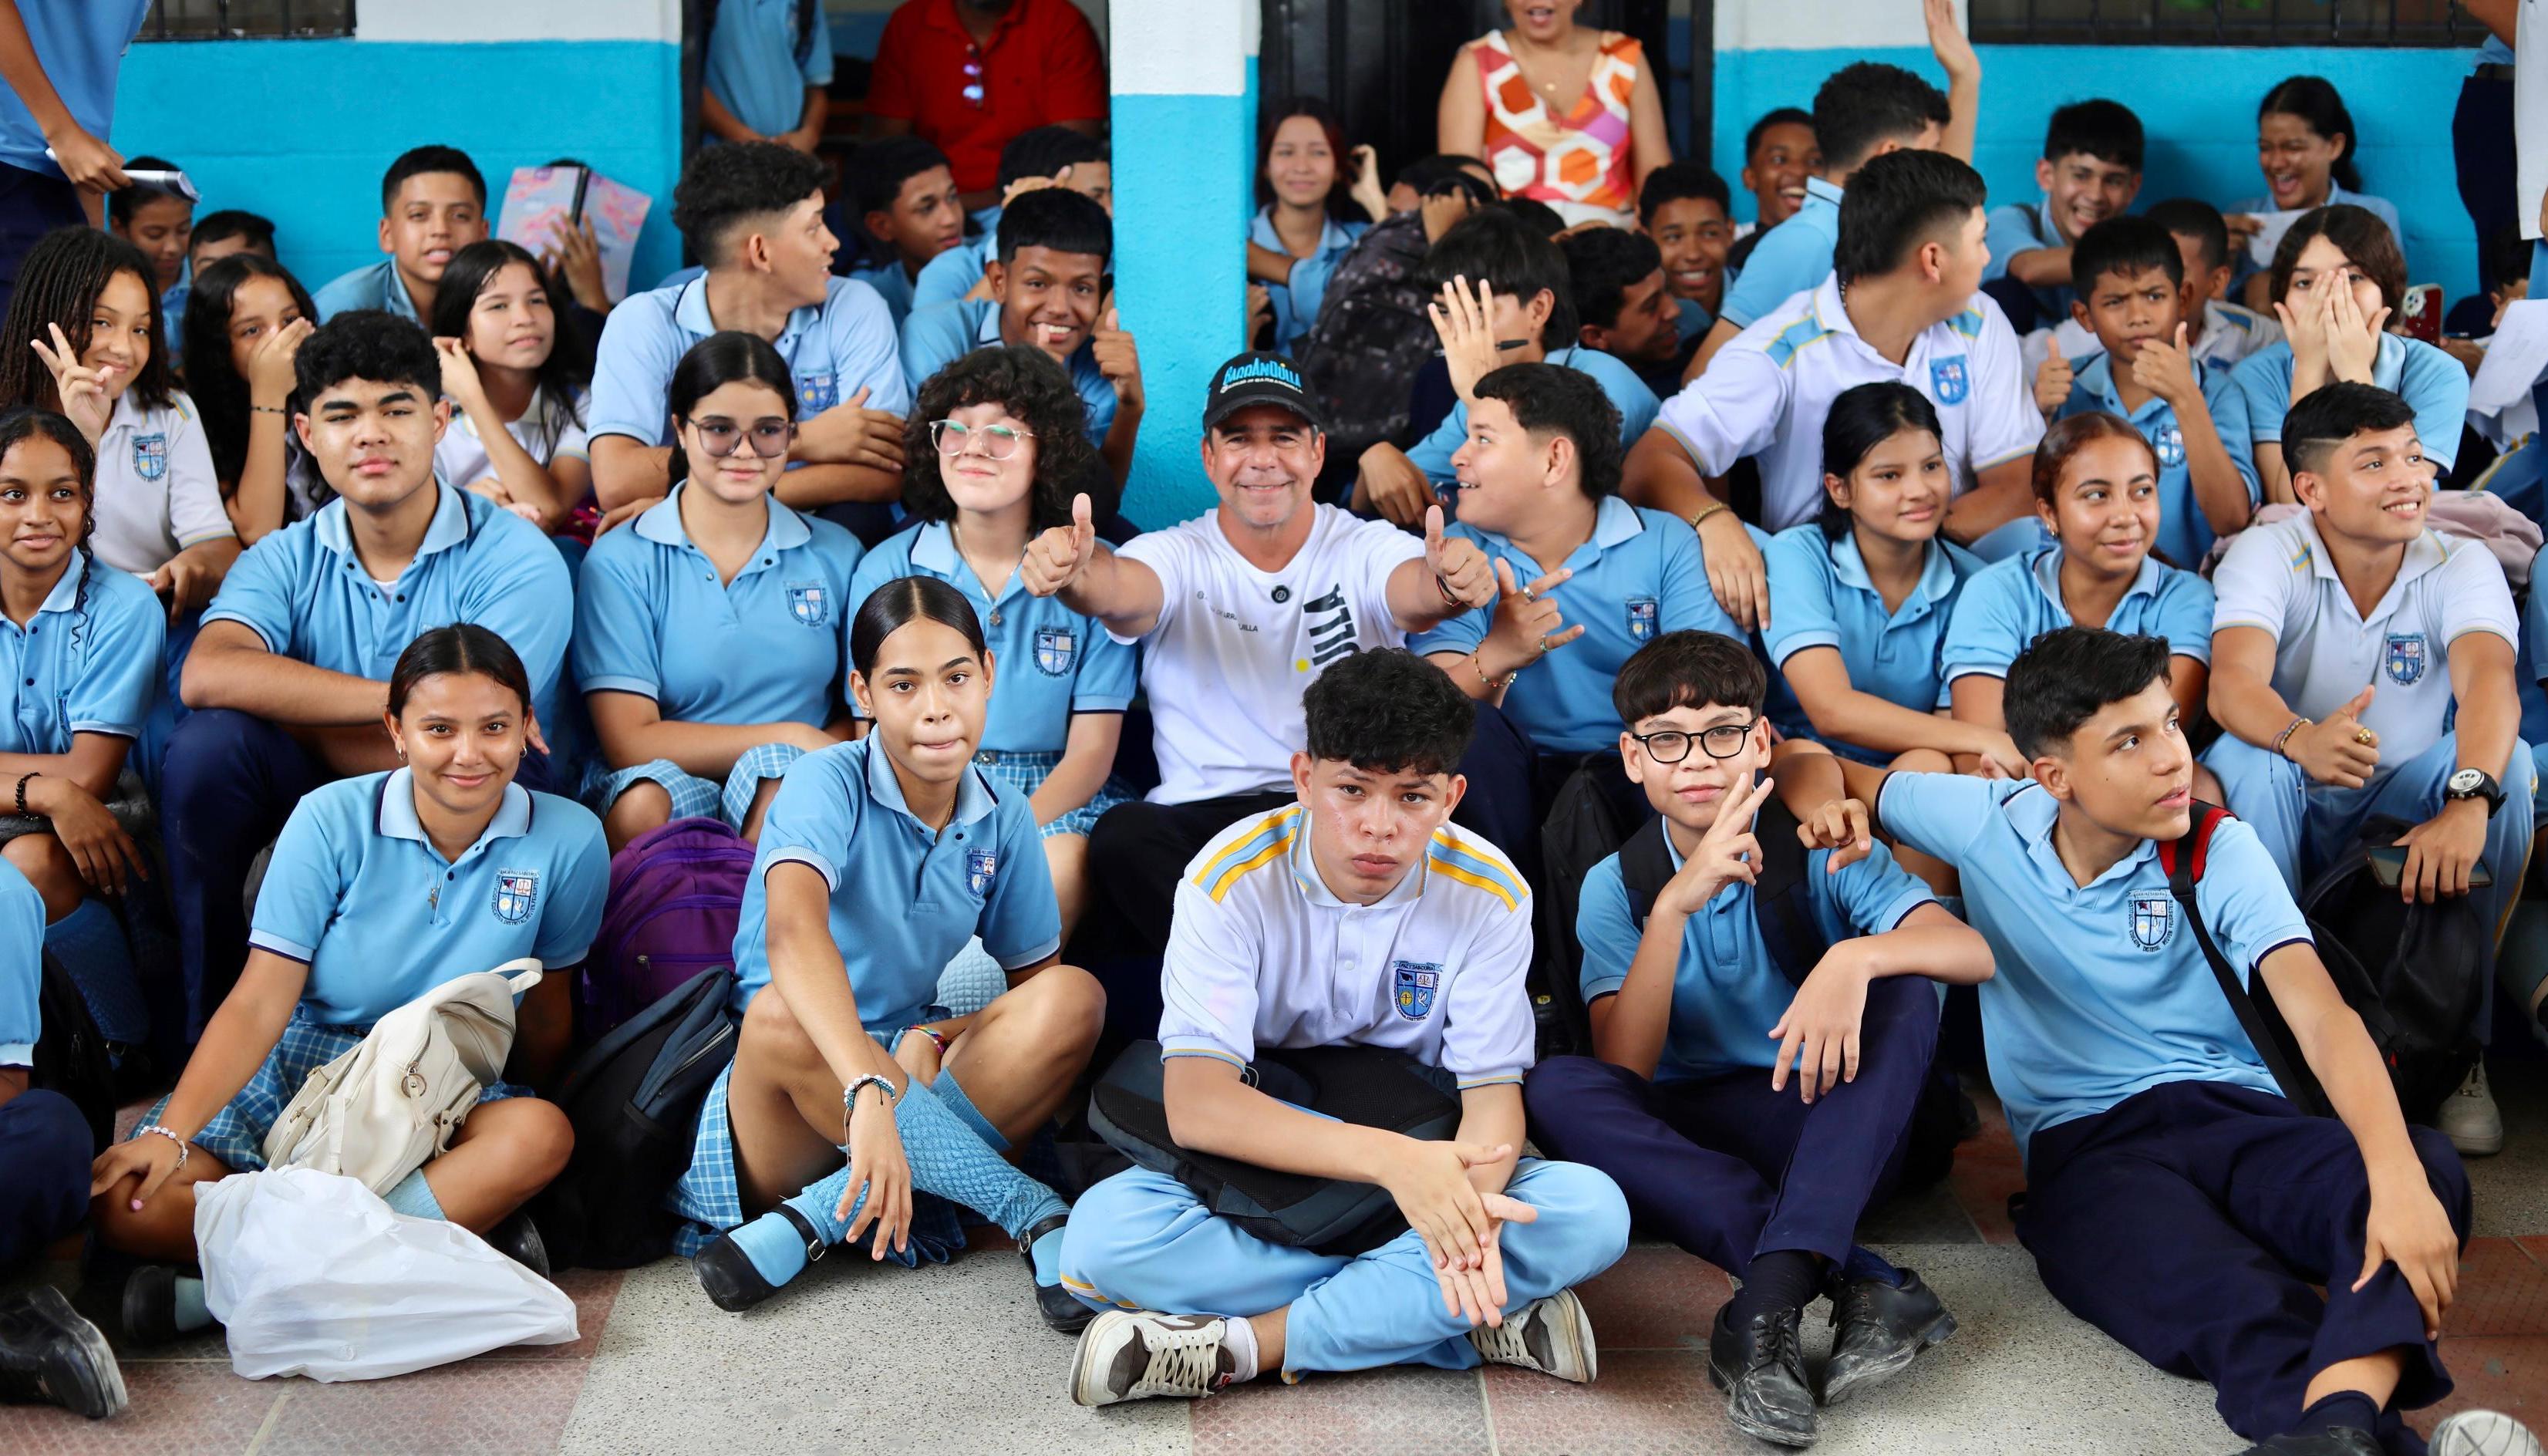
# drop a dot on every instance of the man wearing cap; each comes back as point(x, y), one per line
point(1239, 608)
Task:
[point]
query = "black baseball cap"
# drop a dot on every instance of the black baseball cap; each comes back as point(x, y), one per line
point(1258, 377)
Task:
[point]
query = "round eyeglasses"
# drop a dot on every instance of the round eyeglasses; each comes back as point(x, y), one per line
point(999, 441)
point(1671, 745)
point(769, 437)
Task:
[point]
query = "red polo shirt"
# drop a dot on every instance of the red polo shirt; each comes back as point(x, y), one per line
point(1041, 65)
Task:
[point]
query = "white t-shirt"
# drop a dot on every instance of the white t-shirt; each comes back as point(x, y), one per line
point(2279, 577)
point(1233, 647)
point(462, 460)
point(2531, 109)
point(155, 491)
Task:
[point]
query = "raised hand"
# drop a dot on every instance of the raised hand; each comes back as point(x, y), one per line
point(1118, 359)
point(1054, 558)
point(458, 373)
point(1367, 191)
point(2352, 339)
point(2052, 379)
point(2338, 750)
point(2168, 370)
point(1948, 40)
point(1465, 323)
point(270, 378)
point(1527, 625)
point(1460, 570)
point(2305, 325)
point(1841, 826)
point(1726, 854)
point(82, 389)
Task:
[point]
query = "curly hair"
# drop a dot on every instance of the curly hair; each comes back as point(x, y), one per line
point(58, 282)
point(724, 185)
point(1388, 711)
point(368, 344)
point(1027, 383)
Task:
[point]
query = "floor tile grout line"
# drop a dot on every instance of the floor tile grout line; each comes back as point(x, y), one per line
point(1486, 1408)
point(265, 1428)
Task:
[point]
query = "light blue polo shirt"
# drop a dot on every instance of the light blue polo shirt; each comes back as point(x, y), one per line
point(1640, 576)
point(1820, 596)
point(1727, 992)
point(1636, 404)
point(303, 591)
point(372, 286)
point(82, 667)
point(652, 618)
point(1049, 662)
point(834, 349)
point(22, 967)
point(2102, 990)
point(2386, 210)
point(80, 46)
point(756, 67)
point(905, 896)
point(1790, 258)
point(2184, 534)
point(2011, 602)
point(1295, 304)
point(2020, 229)
point(1690, 319)
point(2433, 384)
point(357, 892)
point(952, 274)
point(937, 336)
point(891, 284)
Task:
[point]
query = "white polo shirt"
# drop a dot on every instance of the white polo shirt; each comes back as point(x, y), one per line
point(2279, 577)
point(155, 491)
point(1262, 954)
point(1766, 394)
point(1234, 647)
point(461, 458)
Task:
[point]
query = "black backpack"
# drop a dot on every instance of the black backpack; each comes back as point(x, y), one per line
point(1372, 1086)
point(634, 1099)
point(2414, 974)
point(71, 1055)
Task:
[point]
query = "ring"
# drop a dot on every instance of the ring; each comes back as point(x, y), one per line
point(2362, 734)
point(1529, 594)
point(1543, 645)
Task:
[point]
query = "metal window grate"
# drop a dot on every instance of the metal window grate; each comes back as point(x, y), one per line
point(231, 20)
point(2222, 22)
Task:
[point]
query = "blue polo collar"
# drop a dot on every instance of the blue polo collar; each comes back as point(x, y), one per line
point(449, 526)
point(395, 816)
point(1937, 573)
point(1816, 187)
point(690, 312)
point(2045, 567)
point(661, 524)
point(2033, 811)
point(973, 798)
point(66, 592)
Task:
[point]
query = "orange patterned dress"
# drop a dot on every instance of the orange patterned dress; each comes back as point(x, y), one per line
point(1580, 161)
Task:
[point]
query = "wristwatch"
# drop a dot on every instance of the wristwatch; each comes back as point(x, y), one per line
point(2475, 784)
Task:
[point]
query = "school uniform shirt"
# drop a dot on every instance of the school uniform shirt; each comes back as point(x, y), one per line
point(950, 275)
point(2386, 210)
point(1820, 596)
point(1262, 954)
point(2011, 602)
point(759, 68)
point(80, 48)
point(1627, 393)
point(22, 967)
point(2433, 384)
point(1640, 574)
point(652, 618)
point(2101, 992)
point(941, 333)
point(833, 348)
point(1766, 393)
point(306, 595)
point(2022, 227)
point(2184, 534)
point(1049, 662)
point(373, 286)
point(1691, 320)
point(2232, 332)
point(82, 667)
point(1726, 991)
point(905, 896)
point(156, 494)
point(357, 892)
point(550, 431)
point(2280, 578)
point(1792, 258)
point(1295, 304)
point(1234, 647)
point(892, 283)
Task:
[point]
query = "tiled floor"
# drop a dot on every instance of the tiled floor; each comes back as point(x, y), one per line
point(950, 1360)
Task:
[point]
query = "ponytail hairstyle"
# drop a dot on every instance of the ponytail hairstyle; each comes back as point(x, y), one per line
point(905, 600)
point(58, 283)
point(1862, 417)
point(462, 647)
point(715, 361)
point(2315, 102)
point(26, 424)
point(219, 393)
point(564, 376)
point(2068, 437)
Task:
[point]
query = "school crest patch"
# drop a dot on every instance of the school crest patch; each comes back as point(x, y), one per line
point(1641, 619)
point(1949, 382)
point(816, 393)
point(980, 867)
point(151, 456)
point(809, 602)
point(1054, 648)
point(2153, 918)
point(1413, 983)
point(2405, 659)
point(517, 893)
point(2169, 446)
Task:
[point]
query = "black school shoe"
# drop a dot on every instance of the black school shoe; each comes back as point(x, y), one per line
point(147, 1307)
point(1060, 1309)
point(1761, 1370)
point(2335, 1441)
point(1877, 1330)
point(518, 1239)
point(49, 1355)
point(725, 1271)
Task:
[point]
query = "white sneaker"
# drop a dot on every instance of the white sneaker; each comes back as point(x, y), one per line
point(2483, 1434)
point(2470, 1118)
point(1553, 1337)
point(1135, 1354)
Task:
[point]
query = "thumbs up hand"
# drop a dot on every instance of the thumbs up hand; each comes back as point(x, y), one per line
point(2338, 751)
point(1056, 559)
point(1460, 570)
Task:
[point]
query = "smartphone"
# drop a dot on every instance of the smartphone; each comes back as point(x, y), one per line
point(2389, 866)
point(2421, 310)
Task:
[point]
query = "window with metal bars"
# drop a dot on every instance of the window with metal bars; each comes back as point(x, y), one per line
point(233, 20)
point(2222, 22)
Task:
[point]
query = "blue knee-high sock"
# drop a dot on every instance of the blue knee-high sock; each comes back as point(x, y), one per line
point(414, 1197)
point(89, 942)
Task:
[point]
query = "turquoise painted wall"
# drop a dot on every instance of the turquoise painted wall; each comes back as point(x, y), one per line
point(2199, 107)
point(300, 131)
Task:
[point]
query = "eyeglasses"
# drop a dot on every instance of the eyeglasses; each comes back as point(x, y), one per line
point(973, 93)
point(769, 437)
point(1671, 745)
point(999, 441)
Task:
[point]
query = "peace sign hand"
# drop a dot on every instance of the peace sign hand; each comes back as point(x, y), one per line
point(1459, 568)
point(82, 389)
point(1056, 559)
point(1727, 852)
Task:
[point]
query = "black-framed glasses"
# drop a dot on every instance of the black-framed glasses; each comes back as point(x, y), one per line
point(769, 437)
point(1671, 745)
point(999, 441)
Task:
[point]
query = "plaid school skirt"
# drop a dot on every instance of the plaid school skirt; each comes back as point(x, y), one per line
point(237, 1133)
point(693, 797)
point(1026, 774)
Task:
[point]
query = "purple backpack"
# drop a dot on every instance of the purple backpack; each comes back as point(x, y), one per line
point(676, 897)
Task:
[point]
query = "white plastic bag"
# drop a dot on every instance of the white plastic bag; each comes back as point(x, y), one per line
point(311, 1274)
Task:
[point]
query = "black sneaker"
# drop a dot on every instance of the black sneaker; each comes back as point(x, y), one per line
point(726, 1272)
point(50, 1356)
point(150, 1306)
point(2342, 1440)
point(1060, 1309)
point(1761, 1370)
point(1877, 1330)
point(518, 1239)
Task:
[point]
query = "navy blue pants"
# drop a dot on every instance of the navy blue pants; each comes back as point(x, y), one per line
point(1729, 1169)
point(32, 204)
point(45, 1145)
point(2190, 1220)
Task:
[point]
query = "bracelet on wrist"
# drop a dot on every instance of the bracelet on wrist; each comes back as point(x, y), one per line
point(2282, 740)
point(1480, 668)
point(932, 1033)
point(1705, 511)
point(184, 1148)
point(1443, 587)
point(22, 780)
point(269, 409)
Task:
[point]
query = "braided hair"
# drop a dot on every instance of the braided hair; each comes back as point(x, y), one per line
point(25, 424)
point(58, 283)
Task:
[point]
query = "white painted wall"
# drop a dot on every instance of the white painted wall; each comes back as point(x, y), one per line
point(1818, 25)
point(517, 20)
point(1191, 48)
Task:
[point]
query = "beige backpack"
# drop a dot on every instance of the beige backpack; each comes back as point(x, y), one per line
point(383, 1110)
